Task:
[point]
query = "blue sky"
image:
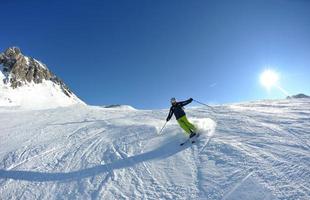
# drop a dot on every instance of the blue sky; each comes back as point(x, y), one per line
point(144, 52)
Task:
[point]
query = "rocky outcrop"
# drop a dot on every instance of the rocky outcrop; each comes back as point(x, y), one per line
point(20, 70)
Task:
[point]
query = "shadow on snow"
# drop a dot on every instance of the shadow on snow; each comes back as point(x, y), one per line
point(166, 150)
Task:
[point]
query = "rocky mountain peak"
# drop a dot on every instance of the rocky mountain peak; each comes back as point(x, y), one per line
point(20, 70)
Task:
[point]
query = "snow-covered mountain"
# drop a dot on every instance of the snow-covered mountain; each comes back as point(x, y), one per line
point(257, 150)
point(118, 106)
point(298, 96)
point(27, 83)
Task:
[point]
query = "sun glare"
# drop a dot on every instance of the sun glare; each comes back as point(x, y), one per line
point(269, 78)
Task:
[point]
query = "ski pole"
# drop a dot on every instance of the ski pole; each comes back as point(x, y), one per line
point(162, 128)
point(210, 108)
point(203, 104)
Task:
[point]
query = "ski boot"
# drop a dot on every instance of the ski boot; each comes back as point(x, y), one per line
point(192, 134)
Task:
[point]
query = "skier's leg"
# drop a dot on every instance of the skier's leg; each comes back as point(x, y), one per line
point(189, 125)
point(183, 125)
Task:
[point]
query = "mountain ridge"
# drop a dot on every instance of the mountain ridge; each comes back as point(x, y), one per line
point(20, 74)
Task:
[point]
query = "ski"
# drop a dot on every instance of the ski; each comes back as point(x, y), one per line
point(190, 139)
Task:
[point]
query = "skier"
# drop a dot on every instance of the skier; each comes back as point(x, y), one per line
point(177, 109)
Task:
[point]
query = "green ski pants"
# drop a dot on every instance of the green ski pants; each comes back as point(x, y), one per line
point(186, 125)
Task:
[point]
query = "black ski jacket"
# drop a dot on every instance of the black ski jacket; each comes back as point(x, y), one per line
point(177, 109)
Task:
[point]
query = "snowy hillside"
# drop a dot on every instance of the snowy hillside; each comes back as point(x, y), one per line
point(26, 83)
point(36, 96)
point(119, 107)
point(258, 150)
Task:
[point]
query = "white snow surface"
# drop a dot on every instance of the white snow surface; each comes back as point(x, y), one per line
point(33, 96)
point(257, 150)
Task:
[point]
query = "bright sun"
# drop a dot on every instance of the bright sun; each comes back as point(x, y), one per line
point(269, 78)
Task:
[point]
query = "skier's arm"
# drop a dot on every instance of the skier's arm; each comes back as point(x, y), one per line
point(184, 103)
point(170, 114)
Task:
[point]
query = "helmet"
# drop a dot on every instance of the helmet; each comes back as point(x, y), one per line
point(173, 100)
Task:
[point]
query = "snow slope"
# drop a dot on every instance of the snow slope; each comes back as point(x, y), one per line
point(257, 150)
point(32, 96)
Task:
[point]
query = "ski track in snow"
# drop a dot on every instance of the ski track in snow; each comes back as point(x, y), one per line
point(256, 150)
